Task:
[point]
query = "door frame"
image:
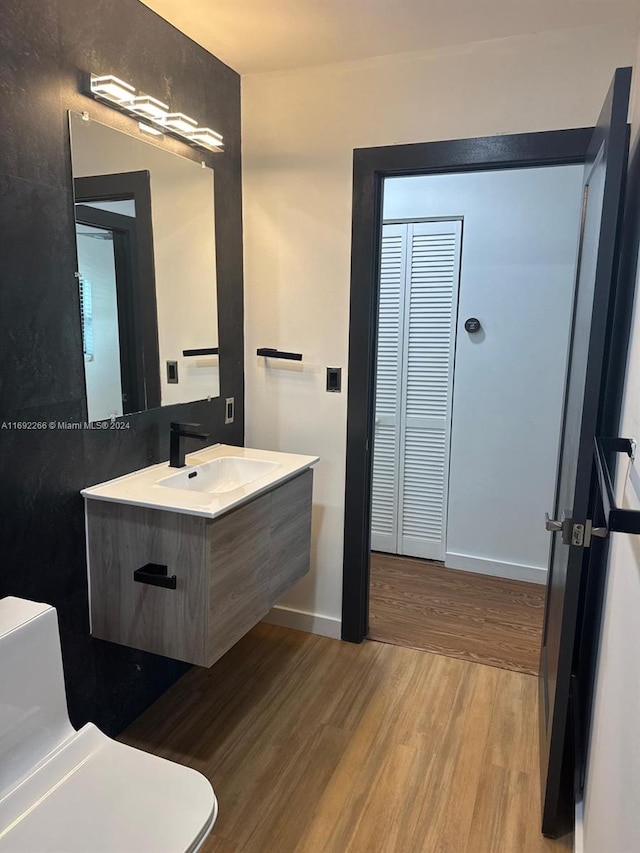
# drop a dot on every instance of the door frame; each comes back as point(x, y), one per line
point(370, 167)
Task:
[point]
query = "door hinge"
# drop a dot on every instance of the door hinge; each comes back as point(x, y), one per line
point(588, 531)
point(581, 534)
point(563, 527)
point(575, 534)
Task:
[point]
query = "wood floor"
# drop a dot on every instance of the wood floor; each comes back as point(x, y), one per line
point(474, 617)
point(318, 746)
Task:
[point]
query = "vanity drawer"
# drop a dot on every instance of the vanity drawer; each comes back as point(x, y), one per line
point(123, 538)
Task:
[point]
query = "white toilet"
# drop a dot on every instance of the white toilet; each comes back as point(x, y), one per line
point(68, 791)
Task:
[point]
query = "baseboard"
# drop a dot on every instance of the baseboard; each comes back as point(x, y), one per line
point(578, 830)
point(497, 568)
point(300, 620)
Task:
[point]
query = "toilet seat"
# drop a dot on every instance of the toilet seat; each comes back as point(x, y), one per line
point(94, 795)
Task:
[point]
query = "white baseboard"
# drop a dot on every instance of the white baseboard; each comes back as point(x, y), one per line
point(497, 568)
point(578, 830)
point(300, 620)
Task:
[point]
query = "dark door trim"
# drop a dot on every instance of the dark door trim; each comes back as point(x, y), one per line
point(136, 186)
point(370, 167)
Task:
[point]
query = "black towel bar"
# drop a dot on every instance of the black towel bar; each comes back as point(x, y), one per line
point(617, 520)
point(269, 352)
point(203, 351)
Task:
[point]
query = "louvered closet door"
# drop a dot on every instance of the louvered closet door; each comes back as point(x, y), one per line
point(386, 444)
point(419, 275)
point(431, 299)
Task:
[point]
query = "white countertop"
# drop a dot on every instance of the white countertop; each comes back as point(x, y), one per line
point(141, 488)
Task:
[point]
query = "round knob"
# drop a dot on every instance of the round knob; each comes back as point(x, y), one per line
point(472, 324)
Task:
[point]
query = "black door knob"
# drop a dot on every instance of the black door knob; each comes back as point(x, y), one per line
point(472, 324)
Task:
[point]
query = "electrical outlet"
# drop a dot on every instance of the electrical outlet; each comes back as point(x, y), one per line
point(229, 406)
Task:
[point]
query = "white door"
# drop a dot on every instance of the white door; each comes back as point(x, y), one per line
point(419, 277)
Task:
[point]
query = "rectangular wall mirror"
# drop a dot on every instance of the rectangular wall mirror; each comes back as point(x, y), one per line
point(146, 271)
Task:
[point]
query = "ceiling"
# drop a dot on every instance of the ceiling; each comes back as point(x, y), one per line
point(270, 35)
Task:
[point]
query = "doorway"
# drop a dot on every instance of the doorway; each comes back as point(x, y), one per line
point(371, 169)
point(477, 274)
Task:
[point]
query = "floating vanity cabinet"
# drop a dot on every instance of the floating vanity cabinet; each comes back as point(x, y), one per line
point(229, 570)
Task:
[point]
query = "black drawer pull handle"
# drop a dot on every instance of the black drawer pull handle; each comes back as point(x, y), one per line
point(156, 575)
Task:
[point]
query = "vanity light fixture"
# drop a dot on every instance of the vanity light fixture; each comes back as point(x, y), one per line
point(179, 122)
point(123, 96)
point(111, 88)
point(208, 138)
point(149, 107)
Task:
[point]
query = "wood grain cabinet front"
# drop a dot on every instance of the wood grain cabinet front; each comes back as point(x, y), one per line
point(230, 570)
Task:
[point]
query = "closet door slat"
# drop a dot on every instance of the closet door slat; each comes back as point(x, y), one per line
point(386, 444)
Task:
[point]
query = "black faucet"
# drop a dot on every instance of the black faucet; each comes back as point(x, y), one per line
point(176, 445)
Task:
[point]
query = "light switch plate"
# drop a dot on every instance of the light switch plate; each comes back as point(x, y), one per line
point(172, 372)
point(334, 379)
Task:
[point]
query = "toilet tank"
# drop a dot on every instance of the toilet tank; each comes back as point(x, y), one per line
point(33, 706)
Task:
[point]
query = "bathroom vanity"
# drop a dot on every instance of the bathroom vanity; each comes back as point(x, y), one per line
point(183, 562)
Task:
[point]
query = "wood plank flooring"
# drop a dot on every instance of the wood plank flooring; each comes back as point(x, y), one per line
point(489, 620)
point(318, 746)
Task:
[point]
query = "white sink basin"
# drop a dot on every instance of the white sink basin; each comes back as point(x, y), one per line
point(215, 480)
point(220, 475)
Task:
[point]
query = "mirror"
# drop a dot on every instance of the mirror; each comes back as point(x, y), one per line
point(146, 271)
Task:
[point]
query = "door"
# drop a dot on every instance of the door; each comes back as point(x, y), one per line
point(419, 276)
point(604, 174)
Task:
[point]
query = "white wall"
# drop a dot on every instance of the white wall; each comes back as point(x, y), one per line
point(299, 132)
point(612, 792)
point(519, 246)
point(182, 207)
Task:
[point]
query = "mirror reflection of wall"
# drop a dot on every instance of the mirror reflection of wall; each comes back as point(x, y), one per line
point(146, 258)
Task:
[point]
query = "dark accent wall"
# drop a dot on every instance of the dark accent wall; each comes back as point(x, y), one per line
point(44, 44)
